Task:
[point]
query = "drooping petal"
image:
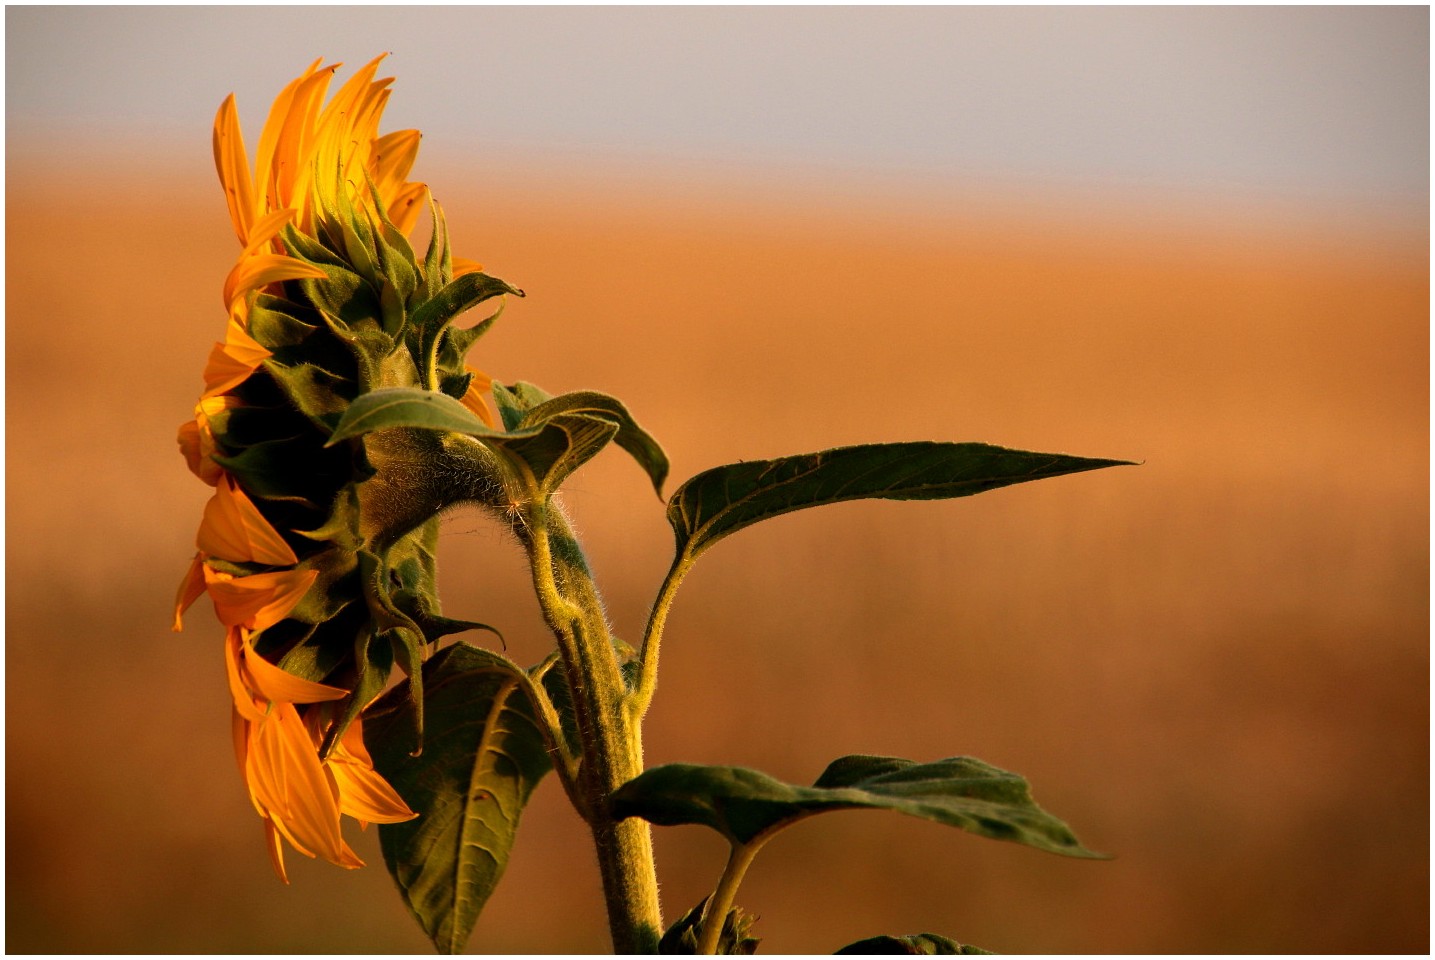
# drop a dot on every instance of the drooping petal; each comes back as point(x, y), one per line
point(258, 601)
point(190, 589)
point(276, 850)
point(196, 438)
point(233, 361)
point(363, 793)
point(291, 785)
point(246, 706)
point(306, 809)
point(234, 529)
point(277, 685)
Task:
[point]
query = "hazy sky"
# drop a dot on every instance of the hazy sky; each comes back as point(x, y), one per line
point(1296, 101)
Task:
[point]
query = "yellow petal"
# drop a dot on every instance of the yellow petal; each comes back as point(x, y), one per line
point(247, 707)
point(232, 362)
point(393, 157)
point(295, 146)
point(190, 589)
point(273, 126)
point(276, 850)
point(259, 270)
point(277, 685)
point(266, 229)
point(473, 397)
point(234, 529)
point(233, 167)
point(363, 793)
point(462, 266)
point(299, 794)
point(258, 601)
point(290, 784)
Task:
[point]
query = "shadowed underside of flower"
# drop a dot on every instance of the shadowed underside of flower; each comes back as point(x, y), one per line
point(321, 592)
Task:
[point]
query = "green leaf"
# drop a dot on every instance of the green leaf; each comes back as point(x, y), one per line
point(482, 758)
point(631, 437)
point(744, 804)
point(723, 500)
point(916, 944)
point(407, 407)
point(551, 452)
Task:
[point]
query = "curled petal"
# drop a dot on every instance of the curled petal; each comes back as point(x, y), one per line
point(258, 601)
point(473, 397)
point(277, 685)
point(259, 270)
point(196, 438)
point(190, 589)
point(363, 793)
point(233, 361)
point(234, 529)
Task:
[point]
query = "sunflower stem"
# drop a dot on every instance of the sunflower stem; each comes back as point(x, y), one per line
point(609, 736)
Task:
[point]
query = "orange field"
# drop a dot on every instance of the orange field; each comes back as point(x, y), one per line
point(1214, 665)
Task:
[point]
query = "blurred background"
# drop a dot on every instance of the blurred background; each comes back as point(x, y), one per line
point(1192, 237)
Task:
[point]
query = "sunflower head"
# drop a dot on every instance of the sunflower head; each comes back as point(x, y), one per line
point(320, 547)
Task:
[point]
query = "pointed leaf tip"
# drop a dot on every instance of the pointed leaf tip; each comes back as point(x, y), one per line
point(725, 499)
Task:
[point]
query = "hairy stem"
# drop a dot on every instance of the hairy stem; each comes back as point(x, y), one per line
point(653, 637)
point(715, 915)
point(609, 737)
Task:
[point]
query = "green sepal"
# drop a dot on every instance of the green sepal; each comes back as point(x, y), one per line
point(349, 230)
point(403, 635)
point(416, 597)
point(410, 407)
point(455, 342)
point(292, 468)
point(315, 392)
point(631, 437)
point(455, 385)
point(342, 294)
point(309, 249)
point(342, 526)
point(484, 757)
point(723, 500)
point(336, 586)
point(516, 400)
point(744, 804)
point(374, 662)
point(321, 652)
point(917, 944)
point(391, 309)
point(430, 319)
point(438, 263)
point(276, 323)
point(735, 939)
point(396, 254)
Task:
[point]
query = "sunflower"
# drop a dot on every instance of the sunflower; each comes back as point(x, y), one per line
point(321, 593)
